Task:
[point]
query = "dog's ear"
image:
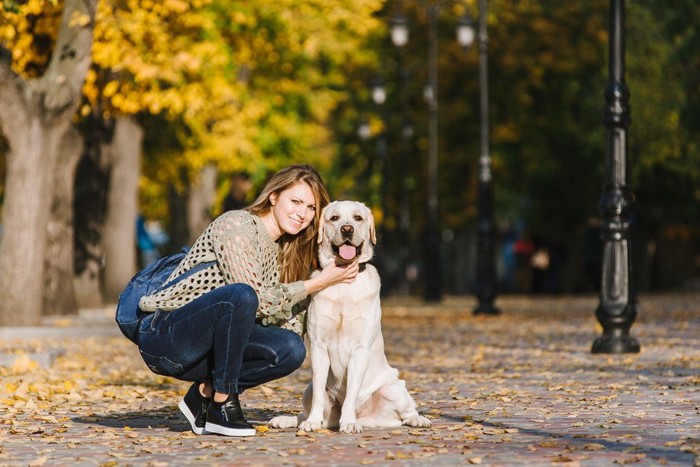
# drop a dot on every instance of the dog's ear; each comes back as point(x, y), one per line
point(321, 221)
point(372, 230)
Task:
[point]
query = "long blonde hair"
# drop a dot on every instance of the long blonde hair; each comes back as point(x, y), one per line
point(298, 256)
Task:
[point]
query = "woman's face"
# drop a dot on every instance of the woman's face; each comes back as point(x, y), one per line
point(294, 208)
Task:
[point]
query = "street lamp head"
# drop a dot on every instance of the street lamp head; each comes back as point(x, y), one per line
point(465, 31)
point(399, 30)
point(428, 93)
point(364, 131)
point(407, 130)
point(378, 91)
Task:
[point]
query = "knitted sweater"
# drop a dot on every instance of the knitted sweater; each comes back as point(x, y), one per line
point(244, 253)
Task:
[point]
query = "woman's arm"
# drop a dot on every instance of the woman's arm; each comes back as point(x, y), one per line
point(332, 274)
point(245, 257)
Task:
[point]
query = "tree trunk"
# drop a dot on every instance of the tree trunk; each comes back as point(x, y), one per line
point(25, 212)
point(34, 118)
point(120, 225)
point(87, 281)
point(59, 297)
point(178, 229)
point(91, 187)
point(201, 202)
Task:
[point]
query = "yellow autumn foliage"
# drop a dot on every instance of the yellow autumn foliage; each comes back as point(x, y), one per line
point(234, 72)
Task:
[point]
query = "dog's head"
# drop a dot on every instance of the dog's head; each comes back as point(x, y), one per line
point(346, 232)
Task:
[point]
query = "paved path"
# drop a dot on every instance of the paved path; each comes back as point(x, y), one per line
point(520, 388)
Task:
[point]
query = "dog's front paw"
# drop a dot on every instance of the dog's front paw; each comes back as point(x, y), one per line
point(284, 421)
point(418, 421)
point(310, 425)
point(350, 428)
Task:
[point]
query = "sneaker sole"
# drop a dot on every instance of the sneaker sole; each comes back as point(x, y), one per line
point(222, 430)
point(190, 418)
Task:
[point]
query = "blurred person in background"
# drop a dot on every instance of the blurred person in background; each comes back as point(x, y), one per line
point(237, 197)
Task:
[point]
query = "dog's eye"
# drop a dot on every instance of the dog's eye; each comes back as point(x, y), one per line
point(334, 218)
point(358, 218)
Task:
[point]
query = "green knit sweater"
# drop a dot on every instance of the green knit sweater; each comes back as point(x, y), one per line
point(244, 253)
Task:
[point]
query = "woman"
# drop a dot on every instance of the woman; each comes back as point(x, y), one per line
point(236, 324)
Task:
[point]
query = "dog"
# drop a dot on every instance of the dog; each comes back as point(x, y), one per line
point(353, 386)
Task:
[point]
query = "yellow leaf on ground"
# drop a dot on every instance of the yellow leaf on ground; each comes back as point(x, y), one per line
point(593, 447)
point(23, 364)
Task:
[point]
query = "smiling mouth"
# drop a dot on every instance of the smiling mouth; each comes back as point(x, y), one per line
point(346, 252)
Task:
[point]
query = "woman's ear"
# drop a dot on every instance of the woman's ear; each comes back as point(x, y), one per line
point(273, 198)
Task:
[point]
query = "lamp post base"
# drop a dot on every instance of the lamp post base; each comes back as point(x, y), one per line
point(615, 344)
point(487, 308)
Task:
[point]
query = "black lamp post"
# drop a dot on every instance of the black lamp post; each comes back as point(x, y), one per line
point(399, 36)
point(378, 91)
point(617, 309)
point(433, 273)
point(485, 267)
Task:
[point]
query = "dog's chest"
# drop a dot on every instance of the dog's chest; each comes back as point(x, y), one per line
point(331, 319)
point(345, 309)
point(353, 295)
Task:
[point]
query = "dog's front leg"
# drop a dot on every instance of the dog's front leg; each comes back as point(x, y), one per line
point(357, 367)
point(320, 364)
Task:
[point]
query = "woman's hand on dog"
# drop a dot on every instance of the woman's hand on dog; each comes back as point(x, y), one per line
point(333, 274)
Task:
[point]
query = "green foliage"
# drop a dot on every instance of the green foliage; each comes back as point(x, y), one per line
point(668, 168)
point(547, 73)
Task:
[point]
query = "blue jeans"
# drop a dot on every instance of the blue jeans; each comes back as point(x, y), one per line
point(215, 337)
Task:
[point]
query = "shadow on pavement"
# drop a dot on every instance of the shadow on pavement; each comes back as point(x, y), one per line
point(162, 417)
point(576, 442)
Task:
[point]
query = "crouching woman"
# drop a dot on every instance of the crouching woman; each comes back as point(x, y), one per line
point(236, 323)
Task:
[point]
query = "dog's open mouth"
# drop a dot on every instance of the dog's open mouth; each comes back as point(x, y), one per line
point(347, 251)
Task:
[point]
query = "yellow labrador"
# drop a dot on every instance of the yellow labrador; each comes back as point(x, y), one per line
point(352, 385)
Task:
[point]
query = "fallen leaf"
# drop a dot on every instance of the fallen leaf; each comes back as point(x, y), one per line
point(38, 461)
point(594, 447)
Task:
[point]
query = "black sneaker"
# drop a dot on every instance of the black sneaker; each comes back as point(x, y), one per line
point(226, 418)
point(194, 405)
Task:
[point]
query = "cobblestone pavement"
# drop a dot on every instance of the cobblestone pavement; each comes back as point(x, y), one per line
point(519, 388)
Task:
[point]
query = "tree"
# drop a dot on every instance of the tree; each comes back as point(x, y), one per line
point(35, 118)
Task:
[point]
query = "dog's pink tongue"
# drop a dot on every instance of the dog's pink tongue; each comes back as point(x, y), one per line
point(347, 252)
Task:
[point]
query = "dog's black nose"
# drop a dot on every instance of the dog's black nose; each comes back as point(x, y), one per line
point(347, 231)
